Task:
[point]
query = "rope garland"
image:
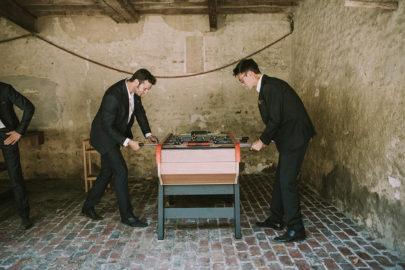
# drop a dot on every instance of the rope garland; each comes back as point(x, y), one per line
point(159, 77)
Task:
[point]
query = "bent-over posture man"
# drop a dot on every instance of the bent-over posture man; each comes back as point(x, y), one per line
point(289, 126)
point(111, 129)
point(11, 131)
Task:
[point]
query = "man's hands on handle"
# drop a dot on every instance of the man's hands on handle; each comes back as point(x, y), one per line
point(152, 139)
point(136, 145)
point(13, 137)
point(257, 145)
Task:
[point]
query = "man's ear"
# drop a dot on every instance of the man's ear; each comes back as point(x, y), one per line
point(250, 73)
point(136, 81)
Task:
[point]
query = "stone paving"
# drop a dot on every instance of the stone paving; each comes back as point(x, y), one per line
point(63, 239)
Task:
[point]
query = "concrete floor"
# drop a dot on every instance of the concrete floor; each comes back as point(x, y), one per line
point(63, 239)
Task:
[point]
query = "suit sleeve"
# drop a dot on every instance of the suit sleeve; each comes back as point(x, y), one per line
point(273, 98)
point(25, 105)
point(109, 110)
point(141, 118)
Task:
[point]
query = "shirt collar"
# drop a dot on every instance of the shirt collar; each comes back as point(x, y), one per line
point(129, 93)
point(259, 84)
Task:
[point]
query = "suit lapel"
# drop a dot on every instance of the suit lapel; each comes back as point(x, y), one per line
point(262, 104)
point(261, 98)
point(125, 99)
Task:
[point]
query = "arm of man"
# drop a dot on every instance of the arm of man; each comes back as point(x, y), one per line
point(140, 115)
point(28, 111)
point(143, 121)
point(25, 105)
point(274, 102)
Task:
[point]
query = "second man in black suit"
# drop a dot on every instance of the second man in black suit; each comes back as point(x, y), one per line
point(11, 130)
point(289, 126)
point(111, 129)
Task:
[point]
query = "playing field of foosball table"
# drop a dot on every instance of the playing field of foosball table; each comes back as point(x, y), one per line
point(198, 163)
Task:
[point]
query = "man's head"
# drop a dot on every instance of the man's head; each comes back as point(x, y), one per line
point(247, 72)
point(142, 80)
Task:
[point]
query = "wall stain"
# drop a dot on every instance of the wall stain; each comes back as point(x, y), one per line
point(42, 93)
point(370, 208)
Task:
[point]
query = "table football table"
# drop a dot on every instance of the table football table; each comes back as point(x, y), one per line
point(198, 163)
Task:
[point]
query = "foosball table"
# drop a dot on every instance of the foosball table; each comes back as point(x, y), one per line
point(198, 163)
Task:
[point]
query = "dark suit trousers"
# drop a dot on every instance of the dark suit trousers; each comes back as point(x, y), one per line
point(285, 198)
point(11, 154)
point(112, 164)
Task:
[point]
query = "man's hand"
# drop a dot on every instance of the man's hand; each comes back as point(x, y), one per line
point(257, 145)
point(13, 137)
point(134, 145)
point(152, 139)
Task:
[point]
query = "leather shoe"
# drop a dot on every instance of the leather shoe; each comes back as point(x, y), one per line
point(26, 223)
point(91, 213)
point(270, 224)
point(291, 236)
point(133, 222)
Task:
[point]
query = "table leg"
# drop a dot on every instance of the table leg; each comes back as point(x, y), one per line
point(238, 234)
point(161, 212)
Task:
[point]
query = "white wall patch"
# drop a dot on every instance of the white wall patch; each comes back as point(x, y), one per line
point(394, 182)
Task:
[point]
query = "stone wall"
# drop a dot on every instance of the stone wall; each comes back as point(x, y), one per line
point(349, 66)
point(67, 90)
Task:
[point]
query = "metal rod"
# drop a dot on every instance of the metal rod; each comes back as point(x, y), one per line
point(155, 144)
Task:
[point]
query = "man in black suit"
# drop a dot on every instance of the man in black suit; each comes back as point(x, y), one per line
point(289, 126)
point(11, 130)
point(111, 129)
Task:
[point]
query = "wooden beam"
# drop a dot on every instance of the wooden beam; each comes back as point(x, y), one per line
point(17, 14)
point(122, 10)
point(129, 8)
point(66, 10)
point(372, 4)
point(241, 3)
point(212, 14)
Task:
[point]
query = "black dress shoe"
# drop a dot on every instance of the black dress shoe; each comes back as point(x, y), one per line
point(291, 236)
point(270, 224)
point(26, 223)
point(91, 213)
point(133, 222)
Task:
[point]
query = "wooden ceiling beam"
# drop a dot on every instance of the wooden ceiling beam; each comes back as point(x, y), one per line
point(64, 10)
point(122, 11)
point(17, 14)
point(212, 14)
point(129, 11)
point(372, 4)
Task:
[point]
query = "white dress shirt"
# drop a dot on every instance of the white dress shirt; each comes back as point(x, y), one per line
point(259, 84)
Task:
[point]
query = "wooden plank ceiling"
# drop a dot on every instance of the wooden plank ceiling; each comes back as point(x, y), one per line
point(25, 12)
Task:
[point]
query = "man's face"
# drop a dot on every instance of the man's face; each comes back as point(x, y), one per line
point(247, 79)
point(143, 88)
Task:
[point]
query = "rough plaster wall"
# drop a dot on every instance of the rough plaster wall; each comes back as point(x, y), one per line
point(349, 64)
point(67, 91)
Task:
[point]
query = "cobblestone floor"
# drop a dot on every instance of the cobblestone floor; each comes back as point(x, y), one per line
point(63, 239)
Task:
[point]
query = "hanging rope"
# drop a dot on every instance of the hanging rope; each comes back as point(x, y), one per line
point(161, 77)
point(11, 39)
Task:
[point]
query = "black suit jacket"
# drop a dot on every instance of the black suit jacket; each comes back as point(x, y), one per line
point(287, 121)
point(9, 97)
point(110, 126)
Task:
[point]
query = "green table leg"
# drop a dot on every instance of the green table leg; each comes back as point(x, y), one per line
point(238, 234)
point(161, 212)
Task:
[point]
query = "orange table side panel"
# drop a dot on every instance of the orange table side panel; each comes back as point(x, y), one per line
point(198, 179)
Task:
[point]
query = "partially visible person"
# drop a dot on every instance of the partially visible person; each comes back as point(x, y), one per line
point(110, 130)
point(289, 126)
point(11, 130)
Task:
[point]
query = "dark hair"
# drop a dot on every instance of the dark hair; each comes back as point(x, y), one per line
point(143, 75)
point(246, 65)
